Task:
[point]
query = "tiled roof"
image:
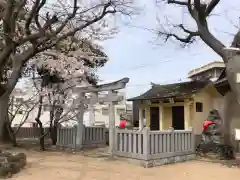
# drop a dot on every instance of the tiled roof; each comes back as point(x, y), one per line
point(172, 90)
point(222, 84)
point(222, 78)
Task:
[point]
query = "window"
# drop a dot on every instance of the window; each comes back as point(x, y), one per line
point(120, 111)
point(19, 100)
point(34, 125)
point(104, 111)
point(143, 113)
point(20, 112)
point(46, 108)
point(199, 107)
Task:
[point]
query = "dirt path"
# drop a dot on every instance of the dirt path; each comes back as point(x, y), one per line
point(65, 166)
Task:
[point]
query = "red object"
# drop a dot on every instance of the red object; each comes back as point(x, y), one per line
point(206, 124)
point(122, 124)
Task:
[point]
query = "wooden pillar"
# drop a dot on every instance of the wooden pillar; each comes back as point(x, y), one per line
point(161, 117)
point(147, 114)
point(140, 116)
point(80, 125)
point(187, 114)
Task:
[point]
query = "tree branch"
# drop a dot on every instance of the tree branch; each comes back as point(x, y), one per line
point(79, 28)
point(199, 13)
point(25, 118)
point(7, 21)
point(187, 40)
point(211, 6)
point(43, 2)
point(182, 3)
point(31, 15)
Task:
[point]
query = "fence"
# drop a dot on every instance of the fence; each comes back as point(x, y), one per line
point(29, 132)
point(152, 145)
point(94, 136)
point(91, 137)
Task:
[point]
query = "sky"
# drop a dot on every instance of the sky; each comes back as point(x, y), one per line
point(136, 53)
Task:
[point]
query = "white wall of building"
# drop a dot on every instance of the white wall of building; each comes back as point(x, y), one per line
point(101, 114)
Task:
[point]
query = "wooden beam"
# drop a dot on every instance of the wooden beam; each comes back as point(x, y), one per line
point(171, 100)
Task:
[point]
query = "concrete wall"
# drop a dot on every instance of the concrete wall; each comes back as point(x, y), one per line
point(165, 114)
point(103, 119)
point(234, 113)
point(31, 119)
point(210, 99)
point(205, 97)
point(100, 118)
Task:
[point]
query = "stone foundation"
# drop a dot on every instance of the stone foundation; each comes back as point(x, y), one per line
point(77, 149)
point(162, 161)
point(170, 160)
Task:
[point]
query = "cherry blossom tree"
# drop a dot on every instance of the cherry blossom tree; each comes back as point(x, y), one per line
point(55, 84)
point(200, 11)
point(30, 27)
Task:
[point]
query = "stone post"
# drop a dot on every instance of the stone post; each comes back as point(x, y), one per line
point(146, 143)
point(80, 125)
point(192, 140)
point(91, 109)
point(112, 127)
point(172, 144)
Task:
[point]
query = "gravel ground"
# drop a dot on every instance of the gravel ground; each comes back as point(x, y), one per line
point(69, 166)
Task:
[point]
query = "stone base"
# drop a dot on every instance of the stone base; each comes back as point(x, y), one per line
point(171, 160)
point(64, 148)
point(77, 149)
point(97, 145)
point(163, 161)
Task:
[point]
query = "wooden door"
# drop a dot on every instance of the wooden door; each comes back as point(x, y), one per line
point(154, 118)
point(178, 117)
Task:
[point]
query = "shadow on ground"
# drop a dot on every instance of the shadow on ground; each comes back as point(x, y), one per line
point(96, 153)
point(228, 163)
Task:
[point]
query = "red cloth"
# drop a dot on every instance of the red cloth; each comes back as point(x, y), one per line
point(122, 124)
point(206, 124)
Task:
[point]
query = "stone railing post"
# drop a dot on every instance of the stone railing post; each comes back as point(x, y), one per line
point(171, 130)
point(146, 142)
point(192, 140)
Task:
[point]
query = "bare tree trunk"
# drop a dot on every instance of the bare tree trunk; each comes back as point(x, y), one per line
point(233, 77)
point(54, 133)
point(51, 123)
point(4, 133)
point(228, 107)
point(41, 135)
point(11, 133)
point(58, 114)
point(37, 119)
